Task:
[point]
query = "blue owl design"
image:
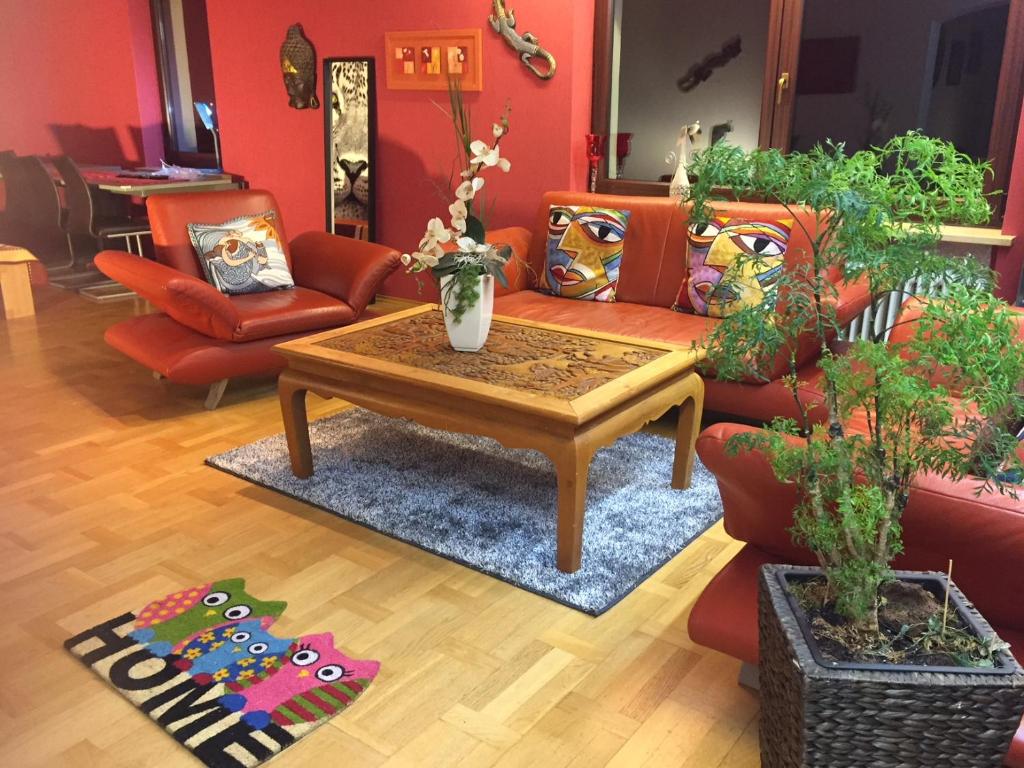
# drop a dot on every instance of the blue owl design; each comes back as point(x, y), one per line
point(243, 651)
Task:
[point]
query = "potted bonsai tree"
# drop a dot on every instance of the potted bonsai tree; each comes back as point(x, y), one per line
point(861, 665)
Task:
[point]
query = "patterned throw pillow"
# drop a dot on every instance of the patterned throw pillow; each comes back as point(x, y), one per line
point(243, 255)
point(584, 251)
point(733, 263)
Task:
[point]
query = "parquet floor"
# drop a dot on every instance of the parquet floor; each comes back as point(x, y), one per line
point(106, 502)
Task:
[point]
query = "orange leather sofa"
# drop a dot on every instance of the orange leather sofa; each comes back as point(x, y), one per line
point(983, 534)
point(653, 268)
point(202, 336)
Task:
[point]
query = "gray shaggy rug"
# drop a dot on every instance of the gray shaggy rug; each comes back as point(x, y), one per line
point(492, 508)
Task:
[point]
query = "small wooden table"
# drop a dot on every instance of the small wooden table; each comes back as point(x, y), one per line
point(564, 392)
point(15, 281)
point(142, 187)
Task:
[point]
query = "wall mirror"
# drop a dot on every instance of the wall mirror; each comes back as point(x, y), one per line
point(350, 135)
point(677, 63)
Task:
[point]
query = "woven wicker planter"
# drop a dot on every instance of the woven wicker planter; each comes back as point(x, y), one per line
point(819, 714)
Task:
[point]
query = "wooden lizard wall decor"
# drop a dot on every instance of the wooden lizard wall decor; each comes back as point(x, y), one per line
point(702, 70)
point(503, 21)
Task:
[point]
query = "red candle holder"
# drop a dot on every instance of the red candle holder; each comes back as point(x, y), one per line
point(623, 145)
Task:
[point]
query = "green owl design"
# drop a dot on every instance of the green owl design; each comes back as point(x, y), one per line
point(226, 601)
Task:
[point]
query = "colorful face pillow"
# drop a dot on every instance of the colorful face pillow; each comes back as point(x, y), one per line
point(733, 264)
point(584, 251)
point(243, 255)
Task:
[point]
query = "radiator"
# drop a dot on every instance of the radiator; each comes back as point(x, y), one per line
point(877, 320)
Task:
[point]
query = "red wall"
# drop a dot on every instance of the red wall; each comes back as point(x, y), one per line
point(282, 149)
point(79, 79)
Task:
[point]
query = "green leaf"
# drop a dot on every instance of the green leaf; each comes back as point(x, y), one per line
point(475, 229)
point(498, 271)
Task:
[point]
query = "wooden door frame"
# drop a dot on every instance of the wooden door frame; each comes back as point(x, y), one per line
point(784, 51)
point(1005, 116)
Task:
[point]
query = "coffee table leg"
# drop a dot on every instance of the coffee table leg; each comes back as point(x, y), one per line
point(573, 468)
point(690, 412)
point(292, 392)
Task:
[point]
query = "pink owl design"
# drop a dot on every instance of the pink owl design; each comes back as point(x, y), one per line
point(171, 606)
point(315, 682)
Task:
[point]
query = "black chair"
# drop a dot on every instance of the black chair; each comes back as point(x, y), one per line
point(91, 219)
point(33, 216)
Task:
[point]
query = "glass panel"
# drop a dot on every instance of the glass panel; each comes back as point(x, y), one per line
point(866, 73)
point(187, 70)
point(675, 63)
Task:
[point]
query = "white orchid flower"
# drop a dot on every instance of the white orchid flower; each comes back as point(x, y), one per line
point(504, 164)
point(406, 259)
point(459, 212)
point(437, 231)
point(484, 154)
point(426, 259)
point(467, 190)
point(497, 130)
point(469, 245)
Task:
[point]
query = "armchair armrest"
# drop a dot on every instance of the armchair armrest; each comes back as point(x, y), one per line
point(757, 508)
point(350, 270)
point(517, 270)
point(189, 300)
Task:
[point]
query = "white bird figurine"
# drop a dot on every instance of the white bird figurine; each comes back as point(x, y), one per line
point(680, 184)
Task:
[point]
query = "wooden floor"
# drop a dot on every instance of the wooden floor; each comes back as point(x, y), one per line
point(106, 502)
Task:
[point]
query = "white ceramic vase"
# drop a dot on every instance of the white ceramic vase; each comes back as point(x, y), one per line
point(470, 332)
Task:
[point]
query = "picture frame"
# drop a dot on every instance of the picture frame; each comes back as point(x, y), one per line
point(423, 61)
point(350, 145)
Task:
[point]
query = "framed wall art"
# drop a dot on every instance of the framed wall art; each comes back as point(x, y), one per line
point(423, 61)
point(350, 139)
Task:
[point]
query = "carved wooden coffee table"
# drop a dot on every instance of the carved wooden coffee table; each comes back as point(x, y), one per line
point(565, 392)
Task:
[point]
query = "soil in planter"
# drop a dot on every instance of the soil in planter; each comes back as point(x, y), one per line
point(910, 623)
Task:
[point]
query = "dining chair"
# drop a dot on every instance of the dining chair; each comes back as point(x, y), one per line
point(33, 212)
point(91, 219)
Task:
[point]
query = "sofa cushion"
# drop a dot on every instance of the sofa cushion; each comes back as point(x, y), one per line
point(639, 320)
point(262, 315)
point(184, 356)
point(585, 246)
point(733, 263)
point(242, 255)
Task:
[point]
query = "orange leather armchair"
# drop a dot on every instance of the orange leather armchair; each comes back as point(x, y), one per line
point(982, 532)
point(201, 336)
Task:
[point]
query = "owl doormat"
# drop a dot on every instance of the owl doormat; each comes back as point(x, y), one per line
point(203, 663)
